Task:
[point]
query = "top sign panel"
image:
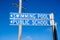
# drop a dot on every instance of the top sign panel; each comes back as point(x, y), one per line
point(32, 19)
point(30, 16)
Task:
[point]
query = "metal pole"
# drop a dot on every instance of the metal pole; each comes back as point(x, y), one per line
point(20, 6)
point(55, 32)
point(20, 26)
point(53, 26)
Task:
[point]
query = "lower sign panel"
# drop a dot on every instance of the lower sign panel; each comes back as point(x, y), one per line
point(30, 22)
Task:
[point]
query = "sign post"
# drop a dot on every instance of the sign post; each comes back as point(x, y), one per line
point(20, 26)
point(31, 19)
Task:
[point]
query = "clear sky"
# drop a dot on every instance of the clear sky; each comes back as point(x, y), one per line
point(8, 32)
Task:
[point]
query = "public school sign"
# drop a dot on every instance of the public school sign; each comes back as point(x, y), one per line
point(31, 19)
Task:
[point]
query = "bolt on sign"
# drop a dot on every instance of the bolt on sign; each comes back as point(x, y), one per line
point(31, 19)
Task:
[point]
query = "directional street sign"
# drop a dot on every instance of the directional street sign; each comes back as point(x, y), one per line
point(30, 19)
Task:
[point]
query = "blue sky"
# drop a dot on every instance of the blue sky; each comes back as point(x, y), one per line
point(8, 32)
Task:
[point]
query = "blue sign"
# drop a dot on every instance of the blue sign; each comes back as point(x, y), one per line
point(35, 19)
